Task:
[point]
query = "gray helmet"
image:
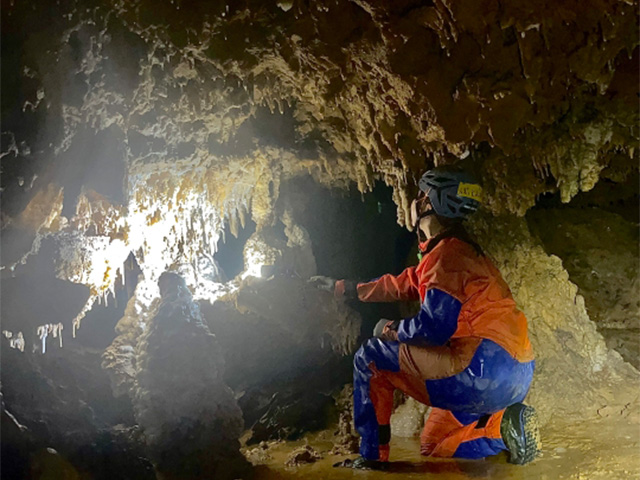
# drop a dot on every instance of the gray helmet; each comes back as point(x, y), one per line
point(452, 193)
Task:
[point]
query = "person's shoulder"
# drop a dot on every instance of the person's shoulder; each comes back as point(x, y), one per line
point(456, 246)
point(454, 254)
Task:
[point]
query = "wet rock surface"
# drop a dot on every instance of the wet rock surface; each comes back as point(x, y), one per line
point(259, 454)
point(303, 455)
point(598, 449)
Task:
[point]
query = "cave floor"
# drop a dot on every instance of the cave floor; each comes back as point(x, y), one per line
point(602, 449)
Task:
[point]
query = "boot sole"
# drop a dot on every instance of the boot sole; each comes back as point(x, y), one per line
point(533, 444)
point(527, 445)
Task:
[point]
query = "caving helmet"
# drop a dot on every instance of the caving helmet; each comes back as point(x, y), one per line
point(451, 193)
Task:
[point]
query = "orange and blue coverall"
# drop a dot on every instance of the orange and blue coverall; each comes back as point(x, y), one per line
point(466, 353)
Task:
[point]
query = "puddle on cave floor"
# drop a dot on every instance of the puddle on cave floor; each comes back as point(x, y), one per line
point(588, 451)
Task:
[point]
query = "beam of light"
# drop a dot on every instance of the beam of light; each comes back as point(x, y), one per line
point(161, 230)
point(168, 232)
point(164, 224)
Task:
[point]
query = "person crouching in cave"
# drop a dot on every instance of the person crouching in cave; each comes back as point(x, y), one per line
point(466, 353)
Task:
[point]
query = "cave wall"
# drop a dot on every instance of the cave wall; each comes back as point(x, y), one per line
point(600, 252)
point(599, 249)
point(576, 374)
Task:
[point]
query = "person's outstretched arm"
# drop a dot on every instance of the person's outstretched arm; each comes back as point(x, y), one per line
point(387, 288)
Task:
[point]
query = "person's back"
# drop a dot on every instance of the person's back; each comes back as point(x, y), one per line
point(488, 308)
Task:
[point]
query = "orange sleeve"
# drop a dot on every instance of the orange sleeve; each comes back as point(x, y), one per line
point(391, 288)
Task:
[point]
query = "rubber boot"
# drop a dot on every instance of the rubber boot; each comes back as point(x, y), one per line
point(519, 431)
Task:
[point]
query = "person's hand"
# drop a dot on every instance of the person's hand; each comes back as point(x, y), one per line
point(386, 329)
point(321, 282)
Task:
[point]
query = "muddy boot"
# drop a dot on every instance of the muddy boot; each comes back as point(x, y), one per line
point(519, 430)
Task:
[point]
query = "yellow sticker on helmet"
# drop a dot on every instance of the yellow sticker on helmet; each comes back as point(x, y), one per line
point(470, 190)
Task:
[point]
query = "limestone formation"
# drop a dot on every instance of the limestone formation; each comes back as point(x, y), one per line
point(346, 440)
point(599, 249)
point(303, 455)
point(408, 419)
point(119, 359)
point(189, 417)
point(571, 356)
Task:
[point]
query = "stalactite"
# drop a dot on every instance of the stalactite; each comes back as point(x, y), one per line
point(43, 332)
point(17, 340)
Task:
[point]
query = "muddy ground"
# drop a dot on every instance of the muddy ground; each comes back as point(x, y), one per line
point(608, 448)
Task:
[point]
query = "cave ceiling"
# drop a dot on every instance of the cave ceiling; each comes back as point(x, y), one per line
point(131, 121)
point(542, 95)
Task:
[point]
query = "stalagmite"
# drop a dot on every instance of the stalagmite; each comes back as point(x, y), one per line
point(189, 417)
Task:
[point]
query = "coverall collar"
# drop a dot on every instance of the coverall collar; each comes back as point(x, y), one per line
point(456, 231)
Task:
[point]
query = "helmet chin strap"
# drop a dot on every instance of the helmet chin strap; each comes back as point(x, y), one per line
point(421, 236)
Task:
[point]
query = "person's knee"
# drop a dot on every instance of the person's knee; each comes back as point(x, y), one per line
point(384, 355)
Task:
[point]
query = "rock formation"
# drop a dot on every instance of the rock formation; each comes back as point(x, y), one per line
point(189, 417)
point(599, 249)
point(286, 346)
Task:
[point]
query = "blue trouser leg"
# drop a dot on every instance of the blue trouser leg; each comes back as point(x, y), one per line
point(492, 381)
point(384, 355)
